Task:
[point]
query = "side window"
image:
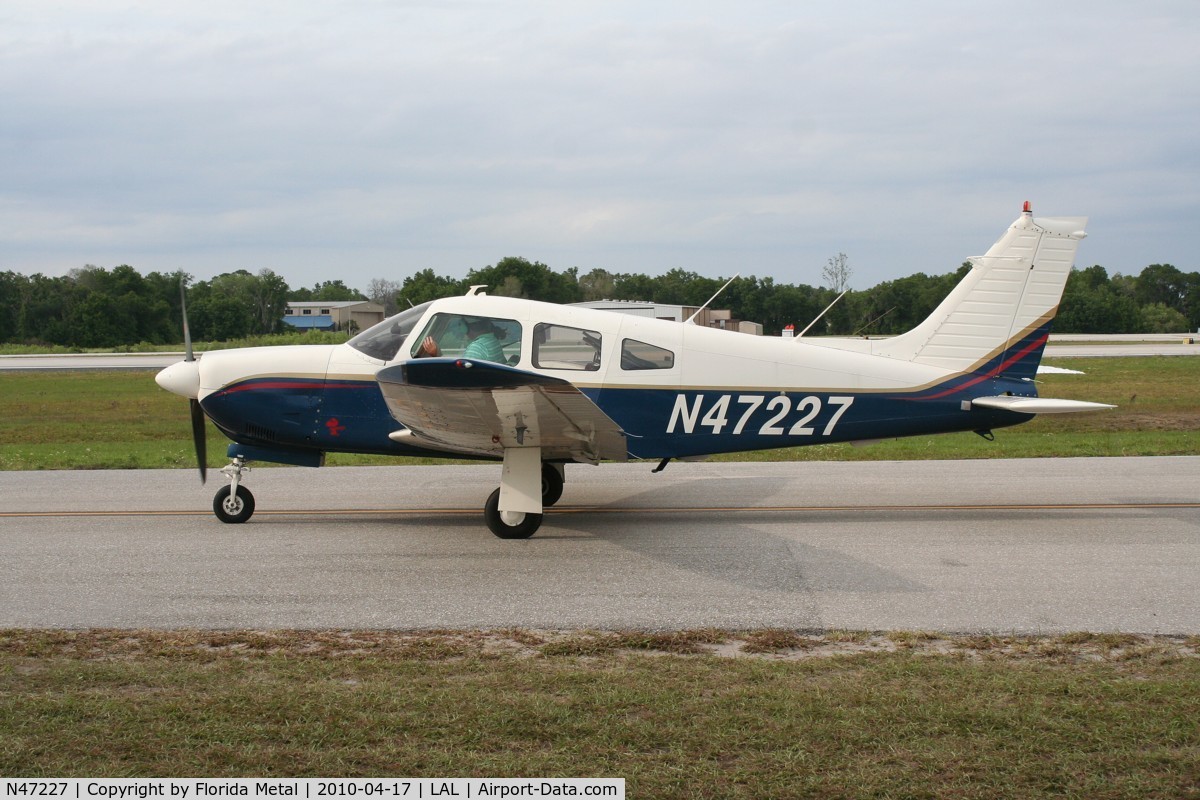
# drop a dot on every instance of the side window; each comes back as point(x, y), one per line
point(639, 355)
point(560, 347)
point(462, 336)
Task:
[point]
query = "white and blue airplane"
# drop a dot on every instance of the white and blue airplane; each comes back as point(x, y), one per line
point(538, 385)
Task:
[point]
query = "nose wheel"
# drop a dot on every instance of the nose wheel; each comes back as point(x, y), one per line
point(234, 504)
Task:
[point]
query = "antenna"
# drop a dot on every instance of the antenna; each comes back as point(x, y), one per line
point(714, 297)
point(872, 322)
point(814, 322)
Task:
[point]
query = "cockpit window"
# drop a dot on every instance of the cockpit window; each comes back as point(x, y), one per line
point(459, 335)
point(384, 340)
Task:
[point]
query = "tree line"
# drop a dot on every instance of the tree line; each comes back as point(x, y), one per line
point(98, 307)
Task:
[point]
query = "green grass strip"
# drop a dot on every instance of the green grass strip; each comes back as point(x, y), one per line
point(121, 419)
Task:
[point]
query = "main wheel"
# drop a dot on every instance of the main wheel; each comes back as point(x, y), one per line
point(509, 524)
point(233, 508)
point(552, 484)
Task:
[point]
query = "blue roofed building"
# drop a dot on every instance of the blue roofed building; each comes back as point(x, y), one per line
point(314, 322)
point(326, 315)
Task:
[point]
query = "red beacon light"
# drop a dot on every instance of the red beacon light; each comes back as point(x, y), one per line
point(1028, 209)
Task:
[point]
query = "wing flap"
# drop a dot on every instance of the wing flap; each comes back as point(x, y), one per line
point(1038, 405)
point(481, 408)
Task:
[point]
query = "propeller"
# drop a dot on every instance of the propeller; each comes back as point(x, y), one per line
point(198, 437)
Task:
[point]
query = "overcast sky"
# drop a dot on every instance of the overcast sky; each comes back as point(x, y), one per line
point(368, 139)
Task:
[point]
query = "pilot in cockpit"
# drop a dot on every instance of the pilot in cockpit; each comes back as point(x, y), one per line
point(483, 342)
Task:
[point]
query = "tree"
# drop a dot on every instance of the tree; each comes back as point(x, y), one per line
point(1162, 283)
point(533, 280)
point(1158, 318)
point(94, 306)
point(633, 287)
point(268, 297)
point(836, 273)
point(785, 305)
point(12, 289)
point(384, 292)
point(334, 291)
point(900, 305)
point(599, 284)
point(423, 286)
point(237, 304)
point(1091, 304)
point(1191, 306)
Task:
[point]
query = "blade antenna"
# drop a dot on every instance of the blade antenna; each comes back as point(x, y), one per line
point(872, 322)
point(814, 322)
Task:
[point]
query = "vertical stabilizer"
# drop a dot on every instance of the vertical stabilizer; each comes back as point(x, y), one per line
point(999, 315)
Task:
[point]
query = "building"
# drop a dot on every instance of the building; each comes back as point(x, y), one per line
point(710, 317)
point(327, 315)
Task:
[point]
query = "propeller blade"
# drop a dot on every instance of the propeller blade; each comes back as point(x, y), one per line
point(199, 439)
point(187, 334)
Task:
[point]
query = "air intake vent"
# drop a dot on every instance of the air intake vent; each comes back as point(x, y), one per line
point(259, 432)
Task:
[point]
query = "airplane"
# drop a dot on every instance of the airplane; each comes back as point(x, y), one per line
point(537, 385)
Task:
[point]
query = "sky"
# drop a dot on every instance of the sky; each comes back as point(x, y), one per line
point(372, 139)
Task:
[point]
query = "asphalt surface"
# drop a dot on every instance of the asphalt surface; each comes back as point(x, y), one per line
point(1022, 546)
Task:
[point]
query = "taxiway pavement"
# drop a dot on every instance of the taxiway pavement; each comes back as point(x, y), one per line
point(1012, 546)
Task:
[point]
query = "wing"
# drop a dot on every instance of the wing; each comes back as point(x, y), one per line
point(1037, 405)
point(481, 408)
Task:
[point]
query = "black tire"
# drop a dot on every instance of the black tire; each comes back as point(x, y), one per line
point(233, 510)
point(552, 485)
point(496, 524)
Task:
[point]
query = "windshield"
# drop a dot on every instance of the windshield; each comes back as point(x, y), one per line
point(383, 341)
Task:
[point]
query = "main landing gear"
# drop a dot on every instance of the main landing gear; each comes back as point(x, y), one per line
point(234, 503)
point(523, 516)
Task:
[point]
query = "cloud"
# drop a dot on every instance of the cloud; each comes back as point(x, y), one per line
point(377, 138)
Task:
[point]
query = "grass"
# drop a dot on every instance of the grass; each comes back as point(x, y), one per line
point(121, 419)
point(990, 717)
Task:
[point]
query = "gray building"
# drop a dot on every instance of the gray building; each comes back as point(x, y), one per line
point(709, 317)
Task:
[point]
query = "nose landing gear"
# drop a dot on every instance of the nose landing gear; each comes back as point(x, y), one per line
point(234, 503)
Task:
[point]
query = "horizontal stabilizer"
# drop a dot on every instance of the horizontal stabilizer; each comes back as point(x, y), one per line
point(1038, 405)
